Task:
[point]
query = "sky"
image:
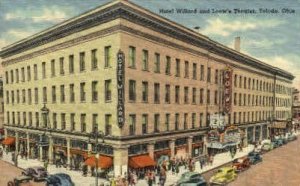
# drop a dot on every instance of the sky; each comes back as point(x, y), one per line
point(273, 38)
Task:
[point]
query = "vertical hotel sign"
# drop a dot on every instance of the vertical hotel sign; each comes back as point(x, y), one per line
point(227, 89)
point(120, 88)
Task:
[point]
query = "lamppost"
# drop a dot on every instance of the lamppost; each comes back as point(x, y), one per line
point(45, 115)
point(95, 134)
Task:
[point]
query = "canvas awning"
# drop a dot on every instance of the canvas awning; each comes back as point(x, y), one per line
point(8, 141)
point(104, 162)
point(279, 125)
point(141, 161)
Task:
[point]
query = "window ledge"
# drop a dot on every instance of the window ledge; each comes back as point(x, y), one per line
point(108, 101)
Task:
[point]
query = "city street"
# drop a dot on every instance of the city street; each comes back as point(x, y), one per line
point(9, 172)
point(280, 167)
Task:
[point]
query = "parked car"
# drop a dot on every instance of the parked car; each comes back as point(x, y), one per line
point(278, 142)
point(254, 158)
point(241, 164)
point(191, 178)
point(36, 173)
point(291, 137)
point(267, 146)
point(223, 176)
point(21, 180)
point(60, 179)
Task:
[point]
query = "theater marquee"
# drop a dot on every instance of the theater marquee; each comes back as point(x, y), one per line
point(227, 89)
point(120, 88)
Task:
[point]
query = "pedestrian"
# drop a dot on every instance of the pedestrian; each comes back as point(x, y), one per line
point(16, 160)
point(1, 153)
point(46, 164)
point(173, 168)
point(201, 163)
point(162, 177)
point(150, 178)
point(177, 169)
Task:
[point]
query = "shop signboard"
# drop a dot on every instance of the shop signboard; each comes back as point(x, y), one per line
point(232, 135)
point(217, 121)
point(227, 89)
point(213, 135)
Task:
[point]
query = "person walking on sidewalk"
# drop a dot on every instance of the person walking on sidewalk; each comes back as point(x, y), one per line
point(46, 164)
point(162, 177)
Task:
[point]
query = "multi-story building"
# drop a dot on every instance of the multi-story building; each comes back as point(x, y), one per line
point(296, 108)
point(148, 83)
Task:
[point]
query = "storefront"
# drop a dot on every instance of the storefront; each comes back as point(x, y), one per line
point(265, 132)
point(181, 146)
point(78, 153)
point(22, 144)
point(197, 146)
point(162, 151)
point(257, 133)
point(60, 150)
point(279, 128)
point(250, 133)
point(224, 141)
point(33, 145)
point(10, 141)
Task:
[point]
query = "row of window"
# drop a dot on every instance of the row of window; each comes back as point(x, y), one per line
point(16, 76)
point(168, 68)
point(255, 116)
point(243, 98)
point(195, 120)
point(14, 118)
point(257, 100)
point(11, 95)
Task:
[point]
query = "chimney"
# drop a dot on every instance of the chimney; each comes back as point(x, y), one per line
point(237, 44)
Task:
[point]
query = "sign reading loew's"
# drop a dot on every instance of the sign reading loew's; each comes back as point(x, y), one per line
point(227, 89)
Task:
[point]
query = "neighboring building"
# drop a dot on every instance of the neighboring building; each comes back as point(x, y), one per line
point(296, 108)
point(1, 106)
point(156, 102)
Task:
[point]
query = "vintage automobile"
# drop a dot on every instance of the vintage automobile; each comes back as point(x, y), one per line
point(59, 179)
point(278, 142)
point(191, 178)
point(36, 173)
point(267, 146)
point(223, 176)
point(291, 137)
point(21, 180)
point(241, 164)
point(254, 157)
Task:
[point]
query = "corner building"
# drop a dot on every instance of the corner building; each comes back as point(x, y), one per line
point(171, 82)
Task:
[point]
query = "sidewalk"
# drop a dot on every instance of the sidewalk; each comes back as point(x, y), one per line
point(76, 176)
point(78, 179)
point(219, 160)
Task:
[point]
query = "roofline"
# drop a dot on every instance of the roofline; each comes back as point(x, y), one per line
point(123, 9)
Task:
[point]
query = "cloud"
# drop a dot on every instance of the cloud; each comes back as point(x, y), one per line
point(289, 62)
point(217, 26)
point(3, 43)
point(264, 43)
point(52, 14)
point(19, 34)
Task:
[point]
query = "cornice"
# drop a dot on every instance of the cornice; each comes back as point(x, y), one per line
point(121, 10)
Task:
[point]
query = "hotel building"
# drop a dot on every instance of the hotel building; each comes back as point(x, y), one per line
point(148, 83)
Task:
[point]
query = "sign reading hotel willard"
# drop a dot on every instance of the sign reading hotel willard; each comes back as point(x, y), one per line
point(120, 88)
point(227, 89)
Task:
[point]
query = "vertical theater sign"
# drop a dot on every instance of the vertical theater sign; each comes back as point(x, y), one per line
point(120, 88)
point(227, 89)
point(221, 135)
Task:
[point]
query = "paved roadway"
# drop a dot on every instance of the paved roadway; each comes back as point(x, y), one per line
point(8, 172)
point(280, 167)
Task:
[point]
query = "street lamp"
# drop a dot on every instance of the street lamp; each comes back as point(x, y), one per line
point(45, 115)
point(95, 134)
